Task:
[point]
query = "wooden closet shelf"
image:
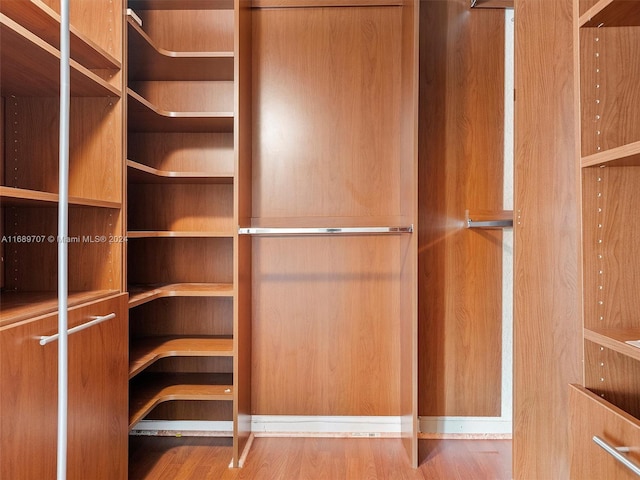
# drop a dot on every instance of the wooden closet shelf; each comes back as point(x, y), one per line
point(44, 22)
point(148, 61)
point(146, 351)
point(16, 306)
point(140, 294)
point(140, 173)
point(615, 339)
point(19, 197)
point(146, 117)
point(31, 67)
point(612, 13)
point(626, 155)
point(158, 388)
point(181, 4)
point(177, 234)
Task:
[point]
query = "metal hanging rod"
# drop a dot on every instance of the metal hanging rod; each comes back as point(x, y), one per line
point(617, 453)
point(482, 219)
point(325, 231)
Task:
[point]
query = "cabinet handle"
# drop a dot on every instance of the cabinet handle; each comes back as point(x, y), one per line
point(95, 321)
point(615, 453)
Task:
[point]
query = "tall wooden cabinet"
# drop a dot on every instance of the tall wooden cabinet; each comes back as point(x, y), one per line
point(184, 188)
point(607, 34)
point(29, 116)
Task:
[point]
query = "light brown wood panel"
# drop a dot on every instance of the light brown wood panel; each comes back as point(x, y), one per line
point(181, 4)
point(99, 20)
point(614, 376)
point(586, 5)
point(323, 3)
point(40, 19)
point(190, 30)
point(547, 314)
point(95, 141)
point(168, 260)
point(461, 167)
point(182, 316)
point(187, 96)
point(590, 415)
point(197, 208)
point(210, 411)
point(612, 13)
point(325, 325)
point(208, 153)
point(608, 89)
point(492, 3)
point(326, 112)
point(191, 364)
point(611, 275)
point(97, 396)
point(93, 260)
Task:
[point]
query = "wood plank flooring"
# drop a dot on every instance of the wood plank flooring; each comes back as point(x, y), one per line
point(206, 458)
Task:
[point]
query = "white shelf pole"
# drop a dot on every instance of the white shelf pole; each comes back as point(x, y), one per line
point(63, 230)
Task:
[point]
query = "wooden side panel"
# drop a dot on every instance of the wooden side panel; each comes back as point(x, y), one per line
point(461, 167)
point(547, 343)
point(242, 272)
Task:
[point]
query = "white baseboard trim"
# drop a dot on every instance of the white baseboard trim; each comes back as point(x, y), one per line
point(329, 426)
point(187, 428)
point(465, 425)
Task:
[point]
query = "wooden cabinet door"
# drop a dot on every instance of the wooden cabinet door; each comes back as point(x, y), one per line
point(98, 376)
point(592, 416)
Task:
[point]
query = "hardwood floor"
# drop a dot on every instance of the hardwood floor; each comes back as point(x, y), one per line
point(206, 458)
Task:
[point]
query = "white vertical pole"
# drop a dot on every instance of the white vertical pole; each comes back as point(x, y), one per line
point(63, 230)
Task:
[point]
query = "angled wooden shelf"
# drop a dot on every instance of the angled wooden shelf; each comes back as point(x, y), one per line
point(154, 389)
point(612, 13)
point(626, 155)
point(19, 197)
point(148, 61)
point(17, 306)
point(44, 22)
point(176, 234)
point(146, 351)
point(140, 173)
point(139, 295)
point(615, 339)
point(30, 67)
point(146, 117)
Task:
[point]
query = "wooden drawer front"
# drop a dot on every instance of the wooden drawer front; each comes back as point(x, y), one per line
point(590, 416)
point(98, 410)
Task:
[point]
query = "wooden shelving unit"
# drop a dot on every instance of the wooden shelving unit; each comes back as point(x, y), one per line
point(608, 38)
point(183, 188)
point(155, 389)
point(29, 204)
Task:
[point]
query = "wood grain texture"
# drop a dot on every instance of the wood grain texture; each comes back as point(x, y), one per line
point(607, 89)
point(461, 167)
point(613, 375)
point(195, 208)
point(204, 153)
point(179, 260)
point(317, 459)
point(325, 328)
point(95, 141)
point(202, 30)
point(492, 3)
point(612, 13)
point(44, 22)
point(547, 298)
point(97, 396)
point(591, 415)
point(610, 273)
point(326, 112)
point(324, 3)
point(187, 96)
point(148, 61)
